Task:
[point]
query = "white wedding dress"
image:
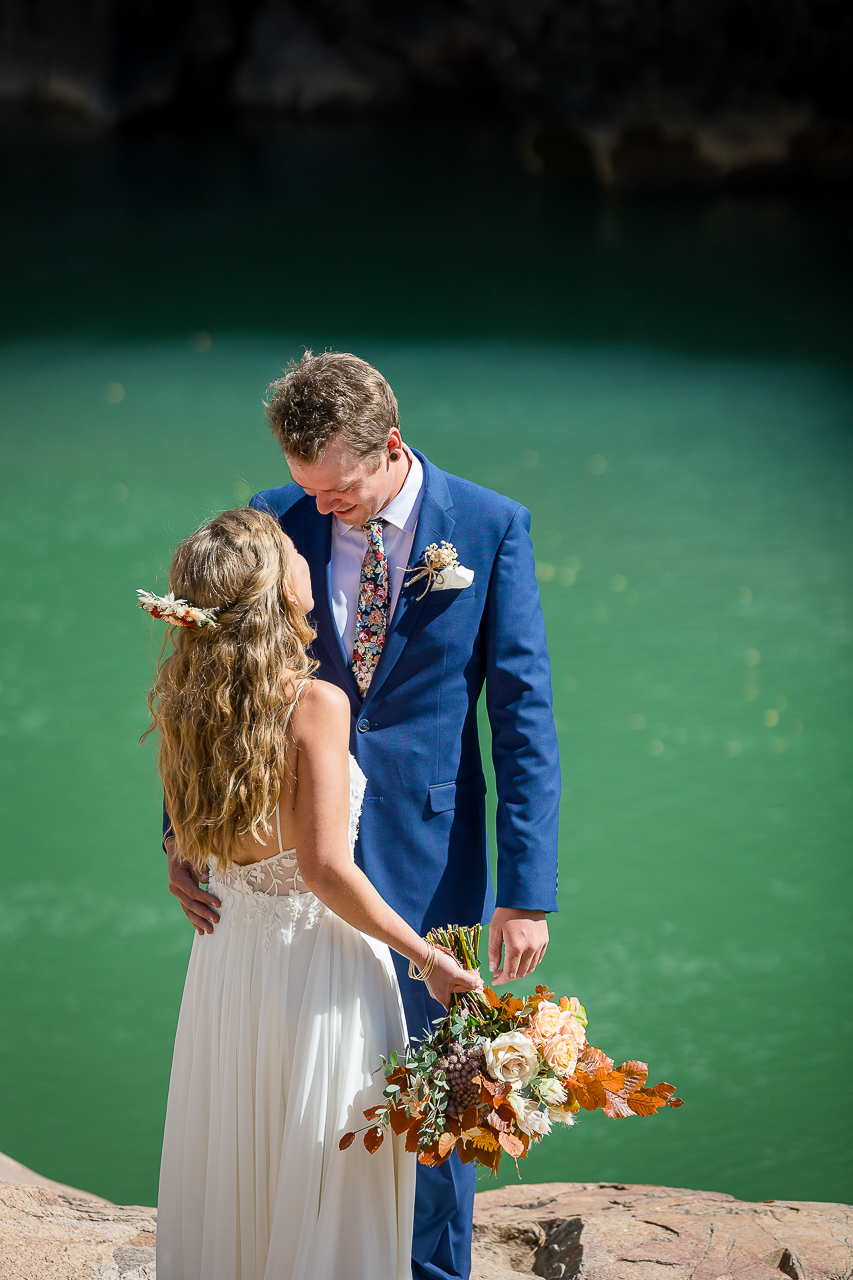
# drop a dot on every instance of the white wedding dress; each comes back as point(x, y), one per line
point(286, 1011)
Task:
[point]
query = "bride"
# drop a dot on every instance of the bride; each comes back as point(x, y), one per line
point(291, 1000)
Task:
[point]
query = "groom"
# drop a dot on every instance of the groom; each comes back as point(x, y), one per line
point(412, 650)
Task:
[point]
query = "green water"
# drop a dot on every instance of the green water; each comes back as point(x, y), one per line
point(664, 385)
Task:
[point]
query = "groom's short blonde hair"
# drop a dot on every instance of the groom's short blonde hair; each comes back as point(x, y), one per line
point(329, 397)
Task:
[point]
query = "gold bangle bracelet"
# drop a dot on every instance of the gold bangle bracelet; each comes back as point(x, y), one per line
point(422, 975)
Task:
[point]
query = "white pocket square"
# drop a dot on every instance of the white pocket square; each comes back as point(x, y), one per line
point(454, 578)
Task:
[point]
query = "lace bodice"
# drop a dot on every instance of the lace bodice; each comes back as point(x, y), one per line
point(278, 876)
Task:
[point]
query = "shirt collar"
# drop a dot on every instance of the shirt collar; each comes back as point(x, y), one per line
point(401, 511)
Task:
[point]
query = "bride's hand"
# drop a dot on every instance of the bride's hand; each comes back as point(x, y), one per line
point(449, 976)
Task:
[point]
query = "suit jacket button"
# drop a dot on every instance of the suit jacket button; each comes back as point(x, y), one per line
point(363, 726)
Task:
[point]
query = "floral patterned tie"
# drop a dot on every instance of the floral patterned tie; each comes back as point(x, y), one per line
point(371, 622)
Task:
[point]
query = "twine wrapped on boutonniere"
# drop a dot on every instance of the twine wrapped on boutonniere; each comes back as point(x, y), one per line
point(441, 570)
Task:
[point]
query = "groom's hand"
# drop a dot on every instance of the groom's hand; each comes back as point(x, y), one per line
point(522, 936)
point(198, 905)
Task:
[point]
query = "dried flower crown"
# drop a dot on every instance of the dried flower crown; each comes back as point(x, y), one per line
point(178, 612)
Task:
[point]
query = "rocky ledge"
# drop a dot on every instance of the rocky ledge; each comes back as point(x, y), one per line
point(558, 1230)
point(68, 1235)
point(608, 1231)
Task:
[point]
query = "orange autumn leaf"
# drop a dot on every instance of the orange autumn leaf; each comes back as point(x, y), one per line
point(636, 1074)
point(590, 1094)
point(372, 1112)
point(400, 1122)
point(676, 1102)
point(490, 1157)
point(612, 1081)
point(494, 1091)
point(644, 1103)
point(512, 1145)
point(501, 1123)
point(446, 1143)
point(492, 998)
point(533, 1002)
point(564, 1003)
point(592, 1060)
point(469, 1118)
point(429, 1157)
point(616, 1107)
point(664, 1090)
point(373, 1139)
point(346, 1141)
point(412, 1137)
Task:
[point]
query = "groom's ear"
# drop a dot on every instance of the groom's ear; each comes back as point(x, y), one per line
point(394, 444)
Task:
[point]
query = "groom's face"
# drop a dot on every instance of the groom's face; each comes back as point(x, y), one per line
point(352, 489)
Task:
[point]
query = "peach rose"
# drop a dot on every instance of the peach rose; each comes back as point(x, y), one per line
point(573, 1022)
point(545, 1023)
point(561, 1054)
point(570, 1026)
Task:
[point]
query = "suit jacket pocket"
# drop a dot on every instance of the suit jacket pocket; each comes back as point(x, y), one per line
point(453, 795)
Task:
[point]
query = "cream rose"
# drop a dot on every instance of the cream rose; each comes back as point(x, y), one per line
point(561, 1054)
point(518, 1104)
point(545, 1023)
point(512, 1057)
point(531, 1120)
point(551, 1091)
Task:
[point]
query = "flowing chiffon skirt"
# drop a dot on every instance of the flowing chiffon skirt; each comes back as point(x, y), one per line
point(285, 1013)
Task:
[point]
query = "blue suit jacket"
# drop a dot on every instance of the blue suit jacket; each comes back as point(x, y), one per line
point(423, 840)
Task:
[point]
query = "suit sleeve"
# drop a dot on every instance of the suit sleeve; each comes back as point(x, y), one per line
point(524, 739)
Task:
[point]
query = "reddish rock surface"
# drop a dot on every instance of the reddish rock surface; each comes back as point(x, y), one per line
point(557, 1230)
point(607, 1231)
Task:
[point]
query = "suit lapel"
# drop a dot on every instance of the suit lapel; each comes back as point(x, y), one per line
point(434, 524)
point(316, 546)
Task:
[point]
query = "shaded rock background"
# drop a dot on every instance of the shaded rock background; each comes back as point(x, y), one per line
point(627, 93)
point(558, 1230)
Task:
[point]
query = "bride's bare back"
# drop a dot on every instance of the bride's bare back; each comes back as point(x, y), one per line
point(315, 700)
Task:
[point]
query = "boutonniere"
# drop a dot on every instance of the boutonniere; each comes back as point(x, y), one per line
point(441, 569)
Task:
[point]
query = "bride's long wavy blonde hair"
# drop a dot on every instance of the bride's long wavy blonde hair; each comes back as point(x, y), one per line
point(221, 695)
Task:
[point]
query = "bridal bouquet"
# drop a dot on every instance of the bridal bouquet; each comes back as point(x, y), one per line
point(498, 1072)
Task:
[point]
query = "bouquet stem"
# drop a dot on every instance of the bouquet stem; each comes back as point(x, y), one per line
point(463, 942)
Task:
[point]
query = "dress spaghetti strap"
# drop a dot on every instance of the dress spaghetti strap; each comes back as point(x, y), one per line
point(292, 706)
point(307, 680)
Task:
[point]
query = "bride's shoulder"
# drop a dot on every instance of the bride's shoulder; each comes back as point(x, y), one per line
point(323, 706)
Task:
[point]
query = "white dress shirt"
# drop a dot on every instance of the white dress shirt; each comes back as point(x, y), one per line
point(349, 546)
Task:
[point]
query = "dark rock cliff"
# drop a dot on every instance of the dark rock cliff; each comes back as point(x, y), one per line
point(625, 92)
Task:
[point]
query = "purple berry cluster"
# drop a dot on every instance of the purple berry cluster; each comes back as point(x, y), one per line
point(460, 1067)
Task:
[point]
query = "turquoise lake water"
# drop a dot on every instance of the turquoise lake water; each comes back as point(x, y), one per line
point(665, 386)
